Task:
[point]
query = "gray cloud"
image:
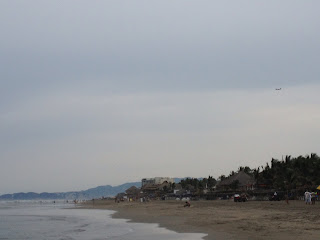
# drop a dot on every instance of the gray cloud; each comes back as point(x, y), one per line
point(113, 85)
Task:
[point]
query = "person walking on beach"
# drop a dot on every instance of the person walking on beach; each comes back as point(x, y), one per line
point(313, 198)
point(307, 197)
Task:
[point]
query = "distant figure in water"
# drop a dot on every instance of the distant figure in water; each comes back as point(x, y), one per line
point(187, 204)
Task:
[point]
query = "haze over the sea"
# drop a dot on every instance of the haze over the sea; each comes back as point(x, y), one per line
point(107, 92)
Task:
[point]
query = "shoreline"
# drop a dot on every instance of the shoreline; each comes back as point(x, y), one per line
point(223, 219)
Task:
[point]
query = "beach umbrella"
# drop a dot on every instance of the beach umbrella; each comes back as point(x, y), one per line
point(318, 187)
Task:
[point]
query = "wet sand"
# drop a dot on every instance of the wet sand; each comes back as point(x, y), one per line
point(224, 219)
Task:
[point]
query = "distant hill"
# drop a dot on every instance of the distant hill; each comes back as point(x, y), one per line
point(97, 192)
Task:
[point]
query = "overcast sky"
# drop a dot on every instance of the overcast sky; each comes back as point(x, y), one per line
point(106, 92)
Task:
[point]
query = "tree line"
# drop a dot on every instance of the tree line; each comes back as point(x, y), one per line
point(287, 174)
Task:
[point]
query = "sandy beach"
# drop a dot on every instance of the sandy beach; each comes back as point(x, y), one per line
point(224, 219)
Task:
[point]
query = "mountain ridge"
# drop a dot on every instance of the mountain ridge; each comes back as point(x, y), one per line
point(97, 192)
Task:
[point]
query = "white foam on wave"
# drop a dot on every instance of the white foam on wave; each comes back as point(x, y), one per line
point(21, 220)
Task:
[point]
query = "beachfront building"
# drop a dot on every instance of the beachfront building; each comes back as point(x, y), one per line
point(133, 193)
point(156, 187)
point(150, 188)
point(156, 180)
point(239, 181)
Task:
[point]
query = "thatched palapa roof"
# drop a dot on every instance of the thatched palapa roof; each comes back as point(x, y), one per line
point(133, 190)
point(150, 187)
point(243, 178)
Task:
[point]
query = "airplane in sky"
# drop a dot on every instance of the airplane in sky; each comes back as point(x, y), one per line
point(278, 89)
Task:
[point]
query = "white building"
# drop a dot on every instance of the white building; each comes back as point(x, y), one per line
point(156, 180)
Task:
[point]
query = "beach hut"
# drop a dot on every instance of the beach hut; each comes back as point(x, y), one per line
point(133, 193)
point(239, 181)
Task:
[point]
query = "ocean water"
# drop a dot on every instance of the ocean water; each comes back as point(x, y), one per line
point(22, 220)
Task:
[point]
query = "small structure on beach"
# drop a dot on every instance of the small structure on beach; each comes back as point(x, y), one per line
point(120, 196)
point(150, 188)
point(133, 193)
point(239, 181)
point(157, 190)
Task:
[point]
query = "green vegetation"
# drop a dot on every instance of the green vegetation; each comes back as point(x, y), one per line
point(198, 184)
point(288, 174)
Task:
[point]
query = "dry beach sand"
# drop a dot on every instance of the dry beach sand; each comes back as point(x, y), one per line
point(224, 219)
